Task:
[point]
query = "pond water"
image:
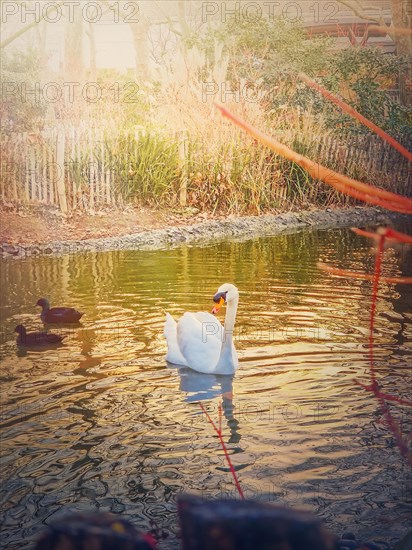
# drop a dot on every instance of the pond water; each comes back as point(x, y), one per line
point(103, 423)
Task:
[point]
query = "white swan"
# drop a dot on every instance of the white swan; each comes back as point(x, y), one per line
point(199, 341)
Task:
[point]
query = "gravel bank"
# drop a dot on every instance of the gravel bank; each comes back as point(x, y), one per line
point(209, 231)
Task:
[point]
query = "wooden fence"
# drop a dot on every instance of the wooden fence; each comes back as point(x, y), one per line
point(369, 159)
point(66, 167)
point(74, 168)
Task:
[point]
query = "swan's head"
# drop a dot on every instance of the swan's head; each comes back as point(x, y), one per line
point(225, 294)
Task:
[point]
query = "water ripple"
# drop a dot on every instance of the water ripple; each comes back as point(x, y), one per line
point(104, 424)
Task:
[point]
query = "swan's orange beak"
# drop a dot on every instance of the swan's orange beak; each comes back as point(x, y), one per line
point(218, 305)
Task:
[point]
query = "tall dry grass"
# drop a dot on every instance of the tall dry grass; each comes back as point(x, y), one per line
point(182, 141)
point(225, 170)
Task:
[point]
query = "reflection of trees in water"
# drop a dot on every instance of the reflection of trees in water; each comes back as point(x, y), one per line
point(62, 279)
point(394, 303)
point(143, 284)
point(403, 303)
point(65, 277)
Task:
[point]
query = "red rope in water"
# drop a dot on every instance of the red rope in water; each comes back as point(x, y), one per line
point(381, 237)
point(392, 423)
point(218, 430)
point(386, 396)
point(376, 277)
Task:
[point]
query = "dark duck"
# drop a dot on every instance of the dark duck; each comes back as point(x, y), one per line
point(58, 314)
point(36, 339)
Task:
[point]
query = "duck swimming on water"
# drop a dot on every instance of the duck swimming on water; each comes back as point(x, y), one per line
point(36, 339)
point(58, 314)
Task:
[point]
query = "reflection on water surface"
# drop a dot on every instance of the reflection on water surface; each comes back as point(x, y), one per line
point(103, 423)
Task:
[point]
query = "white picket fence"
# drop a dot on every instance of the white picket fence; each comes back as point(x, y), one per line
point(72, 167)
point(65, 167)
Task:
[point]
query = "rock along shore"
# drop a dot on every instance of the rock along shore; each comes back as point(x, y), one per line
point(209, 231)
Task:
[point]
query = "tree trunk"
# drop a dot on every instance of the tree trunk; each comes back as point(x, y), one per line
point(140, 41)
point(73, 50)
point(402, 20)
point(92, 44)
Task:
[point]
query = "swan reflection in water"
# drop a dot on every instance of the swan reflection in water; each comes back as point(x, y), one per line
point(203, 387)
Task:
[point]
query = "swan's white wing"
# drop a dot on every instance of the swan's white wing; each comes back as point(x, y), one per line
point(173, 352)
point(199, 338)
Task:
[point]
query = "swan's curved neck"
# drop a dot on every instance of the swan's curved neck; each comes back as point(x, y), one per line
point(228, 360)
point(230, 321)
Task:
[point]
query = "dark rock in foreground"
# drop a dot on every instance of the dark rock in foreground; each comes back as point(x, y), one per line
point(244, 525)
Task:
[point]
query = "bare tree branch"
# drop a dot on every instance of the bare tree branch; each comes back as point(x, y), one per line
point(357, 9)
point(20, 32)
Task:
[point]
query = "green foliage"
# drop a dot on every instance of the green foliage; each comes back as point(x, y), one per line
point(364, 76)
point(274, 48)
point(21, 110)
point(279, 43)
point(225, 173)
point(149, 170)
point(144, 166)
point(125, 102)
point(273, 51)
